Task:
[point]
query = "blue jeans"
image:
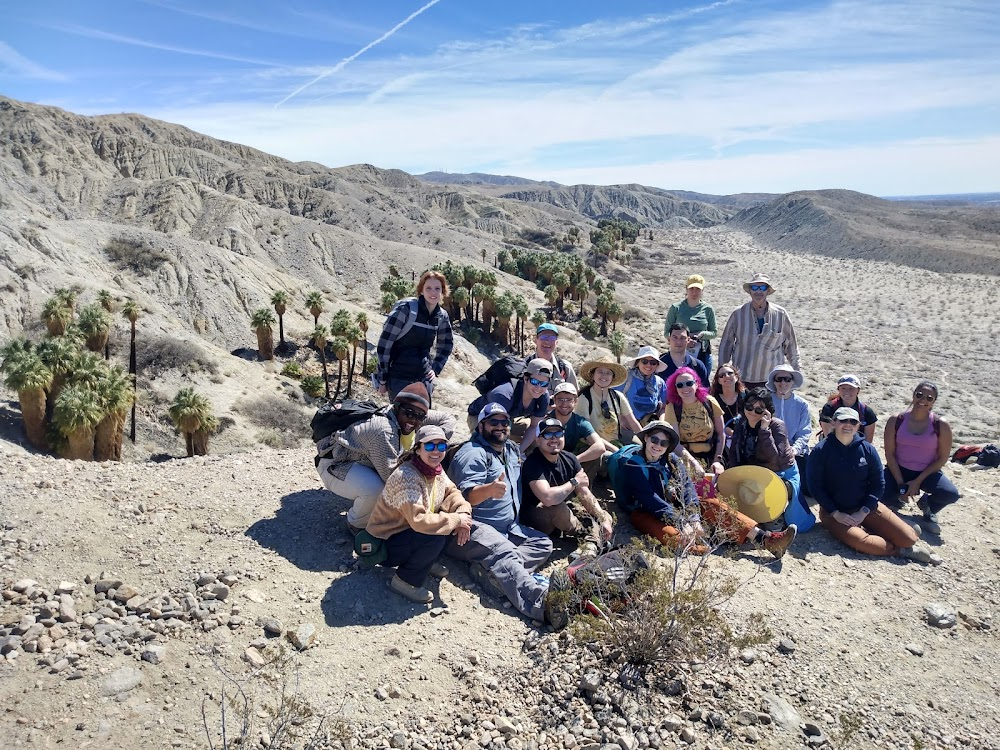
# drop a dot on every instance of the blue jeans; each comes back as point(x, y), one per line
point(412, 554)
point(940, 490)
point(797, 511)
point(706, 359)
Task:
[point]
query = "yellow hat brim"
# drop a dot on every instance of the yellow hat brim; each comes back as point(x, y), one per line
point(758, 492)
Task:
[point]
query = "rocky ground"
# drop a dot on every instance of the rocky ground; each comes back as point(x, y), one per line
point(133, 595)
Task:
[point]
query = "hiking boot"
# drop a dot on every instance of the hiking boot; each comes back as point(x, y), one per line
point(413, 593)
point(778, 542)
point(556, 601)
point(486, 580)
point(587, 548)
point(924, 505)
point(439, 570)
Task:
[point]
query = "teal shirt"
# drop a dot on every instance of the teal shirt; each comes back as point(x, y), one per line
point(699, 319)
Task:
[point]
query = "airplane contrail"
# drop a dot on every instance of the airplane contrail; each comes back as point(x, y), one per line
point(340, 66)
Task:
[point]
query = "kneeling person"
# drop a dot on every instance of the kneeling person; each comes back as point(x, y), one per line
point(551, 477)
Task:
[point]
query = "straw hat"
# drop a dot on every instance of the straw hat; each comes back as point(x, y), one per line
point(759, 492)
point(648, 351)
point(759, 278)
point(586, 370)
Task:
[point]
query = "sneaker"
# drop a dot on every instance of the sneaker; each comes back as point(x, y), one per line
point(778, 542)
point(486, 580)
point(439, 570)
point(917, 554)
point(556, 605)
point(924, 505)
point(917, 529)
point(413, 593)
point(930, 524)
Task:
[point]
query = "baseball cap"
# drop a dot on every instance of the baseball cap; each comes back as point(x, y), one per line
point(565, 387)
point(547, 328)
point(547, 423)
point(850, 380)
point(492, 409)
point(539, 366)
point(846, 412)
point(431, 432)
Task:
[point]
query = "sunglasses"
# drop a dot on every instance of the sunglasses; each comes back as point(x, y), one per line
point(553, 434)
point(685, 384)
point(565, 399)
point(498, 422)
point(431, 446)
point(416, 416)
point(539, 383)
point(784, 380)
point(659, 441)
point(725, 374)
point(921, 396)
point(848, 421)
point(649, 361)
point(547, 337)
point(606, 409)
point(756, 409)
point(759, 287)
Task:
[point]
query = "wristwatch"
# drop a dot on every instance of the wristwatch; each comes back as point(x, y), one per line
point(575, 482)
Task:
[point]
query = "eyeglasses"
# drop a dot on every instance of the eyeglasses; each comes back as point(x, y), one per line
point(725, 374)
point(606, 410)
point(649, 361)
point(553, 434)
point(431, 446)
point(565, 399)
point(921, 396)
point(685, 384)
point(756, 409)
point(498, 422)
point(658, 441)
point(539, 383)
point(848, 421)
point(784, 380)
point(759, 287)
point(547, 337)
point(416, 416)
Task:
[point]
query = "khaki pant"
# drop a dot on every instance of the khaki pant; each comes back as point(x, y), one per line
point(361, 485)
point(881, 533)
point(548, 518)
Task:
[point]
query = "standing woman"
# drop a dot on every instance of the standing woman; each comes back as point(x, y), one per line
point(727, 389)
point(419, 509)
point(412, 328)
point(699, 317)
point(697, 417)
point(917, 445)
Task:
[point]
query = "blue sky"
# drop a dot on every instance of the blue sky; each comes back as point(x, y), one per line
point(886, 97)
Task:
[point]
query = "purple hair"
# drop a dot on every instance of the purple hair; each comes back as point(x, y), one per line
point(701, 392)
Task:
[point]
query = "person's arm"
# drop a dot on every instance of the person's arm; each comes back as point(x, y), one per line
point(799, 432)
point(595, 448)
point(816, 472)
point(719, 426)
point(869, 431)
point(394, 325)
point(529, 435)
point(712, 331)
point(594, 509)
point(791, 347)
point(889, 446)
point(876, 478)
point(671, 319)
point(728, 341)
point(491, 491)
point(445, 343)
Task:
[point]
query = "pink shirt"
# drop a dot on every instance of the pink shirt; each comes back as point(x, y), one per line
point(915, 452)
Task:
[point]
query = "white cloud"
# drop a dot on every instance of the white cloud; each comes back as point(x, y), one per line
point(14, 64)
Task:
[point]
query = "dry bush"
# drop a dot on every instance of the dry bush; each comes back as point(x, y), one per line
point(167, 353)
point(135, 255)
point(275, 413)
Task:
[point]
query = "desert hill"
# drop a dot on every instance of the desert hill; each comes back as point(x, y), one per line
point(479, 178)
point(845, 224)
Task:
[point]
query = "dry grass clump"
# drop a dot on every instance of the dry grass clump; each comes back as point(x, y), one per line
point(275, 413)
point(135, 255)
point(165, 353)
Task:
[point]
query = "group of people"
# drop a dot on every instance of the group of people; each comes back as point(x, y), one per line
point(694, 456)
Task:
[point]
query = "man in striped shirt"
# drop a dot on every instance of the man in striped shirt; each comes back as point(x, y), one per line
point(758, 335)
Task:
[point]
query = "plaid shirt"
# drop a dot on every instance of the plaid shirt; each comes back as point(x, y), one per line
point(393, 329)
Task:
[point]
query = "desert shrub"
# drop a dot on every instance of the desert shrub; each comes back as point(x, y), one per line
point(165, 353)
point(292, 370)
point(273, 412)
point(312, 385)
point(589, 328)
point(278, 439)
point(473, 335)
point(371, 367)
point(135, 255)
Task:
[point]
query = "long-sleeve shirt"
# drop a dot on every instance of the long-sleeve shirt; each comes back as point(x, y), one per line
point(477, 463)
point(646, 486)
point(845, 477)
point(411, 500)
point(410, 319)
point(698, 319)
point(794, 412)
point(771, 448)
point(755, 353)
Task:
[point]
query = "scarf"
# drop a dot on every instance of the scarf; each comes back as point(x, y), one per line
point(648, 384)
point(428, 471)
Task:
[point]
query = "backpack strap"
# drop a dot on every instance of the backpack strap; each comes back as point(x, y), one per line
point(411, 316)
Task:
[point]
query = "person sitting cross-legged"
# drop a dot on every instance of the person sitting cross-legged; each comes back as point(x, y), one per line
point(552, 477)
point(581, 437)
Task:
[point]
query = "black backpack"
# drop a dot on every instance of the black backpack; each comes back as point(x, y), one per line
point(504, 370)
point(989, 456)
point(337, 417)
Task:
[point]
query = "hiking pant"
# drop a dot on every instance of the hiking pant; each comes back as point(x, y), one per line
point(595, 468)
point(511, 558)
point(801, 460)
point(940, 490)
point(412, 554)
point(881, 533)
point(362, 486)
point(548, 518)
point(726, 521)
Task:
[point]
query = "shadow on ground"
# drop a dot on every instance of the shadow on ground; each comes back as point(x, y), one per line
point(306, 532)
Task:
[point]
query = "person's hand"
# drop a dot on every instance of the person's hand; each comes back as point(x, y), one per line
point(859, 516)
point(582, 480)
point(430, 375)
point(845, 518)
point(464, 530)
point(607, 528)
point(383, 389)
point(913, 488)
point(497, 488)
point(765, 420)
point(717, 468)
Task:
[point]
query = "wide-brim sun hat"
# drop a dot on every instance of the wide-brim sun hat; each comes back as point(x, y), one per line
point(586, 370)
point(650, 352)
point(658, 425)
point(758, 491)
point(759, 278)
point(797, 378)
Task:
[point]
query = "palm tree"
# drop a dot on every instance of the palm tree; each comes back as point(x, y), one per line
point(77, 412)
point(56, 316)
point(603, 301)
point(314, 301)
point(388, 301)
point(616, 343)
point(537, 318)
point(615, 311)
point(362, 320)
point(551, 296)
point(459, 299)
point(189, 412)
point(504, 310)
point(108, 303)
point(341, 322)
point(68, 298)
point(523, 311)
point(489, 306)
point(319, 339)
point(88, 370)
point(280, 299)
point(261, 322)
point(27, 374)
point(209, 426)
point(95, 324)
point(354, 337)
point(116, 395)
point(339, 345)
point(477, 293)
point(130, 311)
point(561, 282)
point(59, 355)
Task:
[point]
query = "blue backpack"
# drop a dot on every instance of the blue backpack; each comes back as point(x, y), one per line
point(616, 473)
